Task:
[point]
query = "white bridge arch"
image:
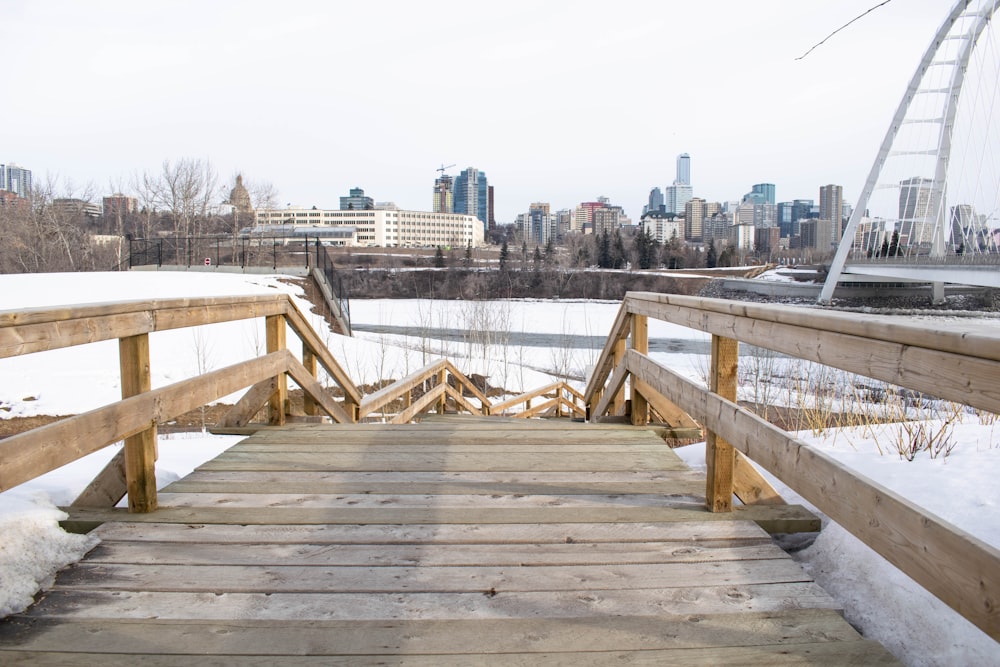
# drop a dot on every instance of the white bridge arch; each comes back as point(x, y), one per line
point(930, 207)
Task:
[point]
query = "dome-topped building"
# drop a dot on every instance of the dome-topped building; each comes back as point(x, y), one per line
point(239, 197)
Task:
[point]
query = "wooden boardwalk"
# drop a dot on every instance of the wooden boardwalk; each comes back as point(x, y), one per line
point(459, 542)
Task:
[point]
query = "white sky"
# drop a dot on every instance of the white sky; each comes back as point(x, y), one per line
point(555, 101)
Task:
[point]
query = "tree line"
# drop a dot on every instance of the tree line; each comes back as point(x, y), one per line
point(53, 230)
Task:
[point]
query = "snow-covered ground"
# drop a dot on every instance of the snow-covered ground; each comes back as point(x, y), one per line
point(526, 344)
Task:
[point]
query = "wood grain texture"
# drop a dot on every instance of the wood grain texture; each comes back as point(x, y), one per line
point(353, 566)
point(955, 566)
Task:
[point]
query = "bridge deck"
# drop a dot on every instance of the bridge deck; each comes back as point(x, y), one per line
point(445, 543)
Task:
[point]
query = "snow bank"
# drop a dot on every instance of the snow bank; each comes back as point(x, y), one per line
point(34, 547)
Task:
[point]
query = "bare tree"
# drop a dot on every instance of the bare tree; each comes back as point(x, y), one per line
point(186, 189)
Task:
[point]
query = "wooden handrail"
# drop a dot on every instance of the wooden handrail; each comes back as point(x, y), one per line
point(525, 398)
point(960, 366)
point(135, 418)
point(956, 567)
point(432, 372)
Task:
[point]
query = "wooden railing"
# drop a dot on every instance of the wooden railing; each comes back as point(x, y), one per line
point(433, 390)
point(958, 568)
point(134, 419)
point(558, 395)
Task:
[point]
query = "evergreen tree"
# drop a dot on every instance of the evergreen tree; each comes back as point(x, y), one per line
point(711, 259)
point(894, 249)
point(504, 255)
point(618, 256)
point(468, 253)
point(439, 258)
point(604, 250)
point(550, 250)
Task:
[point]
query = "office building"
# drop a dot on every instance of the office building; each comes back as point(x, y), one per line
point(388, 227)
point(831, 207)
point(694, 216)
point(683, 170)
point(444, 195)
point(916, 220)
point(16, 180)
point(471, 194)
point(676, 198)
point(356, 201)
point(761, 193)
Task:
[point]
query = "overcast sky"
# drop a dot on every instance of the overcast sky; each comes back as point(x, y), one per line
point(556, 101)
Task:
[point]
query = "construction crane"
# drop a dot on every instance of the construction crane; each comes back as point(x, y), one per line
point(442, 168)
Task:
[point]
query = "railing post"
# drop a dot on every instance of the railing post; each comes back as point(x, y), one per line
point(640, 343)
point(443, 401)
point(140, 449)
point(275, 328)
point(309, 361)
point(720, 457)
point(619, 354)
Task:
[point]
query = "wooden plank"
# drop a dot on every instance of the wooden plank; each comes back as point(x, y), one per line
point(957, 337)
point(30, 454)
point(425, 578)
point(317, 392)
point(250, 403)
point(832, 654)
point(298, 323)
point(672, 414)
point(377, 400)
point(423, 403)
point(750, 486)
point(444, 461)
point(501, 406)
point(276, 333)
point(718, 531)
point(953, 565)
point(140, 448)
point(640, 343)
point(468, 384)
point(363, 501)
point(306, 436)
point(109, 487)
point(694, 600)
point(249, 637)
point(444, 555)
point(926, 364)
point(309, 405)
point(605, 364)
point(461, 401)
point(609, 392)
point(38, 329)
point(720, 457)
point(430, 445)
point(772, 518)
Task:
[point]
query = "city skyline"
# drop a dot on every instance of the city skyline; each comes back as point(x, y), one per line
point(213, 89)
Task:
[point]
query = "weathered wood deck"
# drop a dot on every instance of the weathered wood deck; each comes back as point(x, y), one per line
point(445, 543)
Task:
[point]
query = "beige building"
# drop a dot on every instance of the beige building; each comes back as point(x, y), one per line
point(387, 227)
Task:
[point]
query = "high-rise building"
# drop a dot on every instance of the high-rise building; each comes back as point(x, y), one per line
point(683, 170)
point(491, 220)
point(472, 194)
point(444, 194)
point(357, 201)
point(694, 217)
point(676, 197)
point(15, 179)
point(119, 205)
point(831, 207)
point(540, 223)
point(915, 217)
point(655, 202)
point(761, 193)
